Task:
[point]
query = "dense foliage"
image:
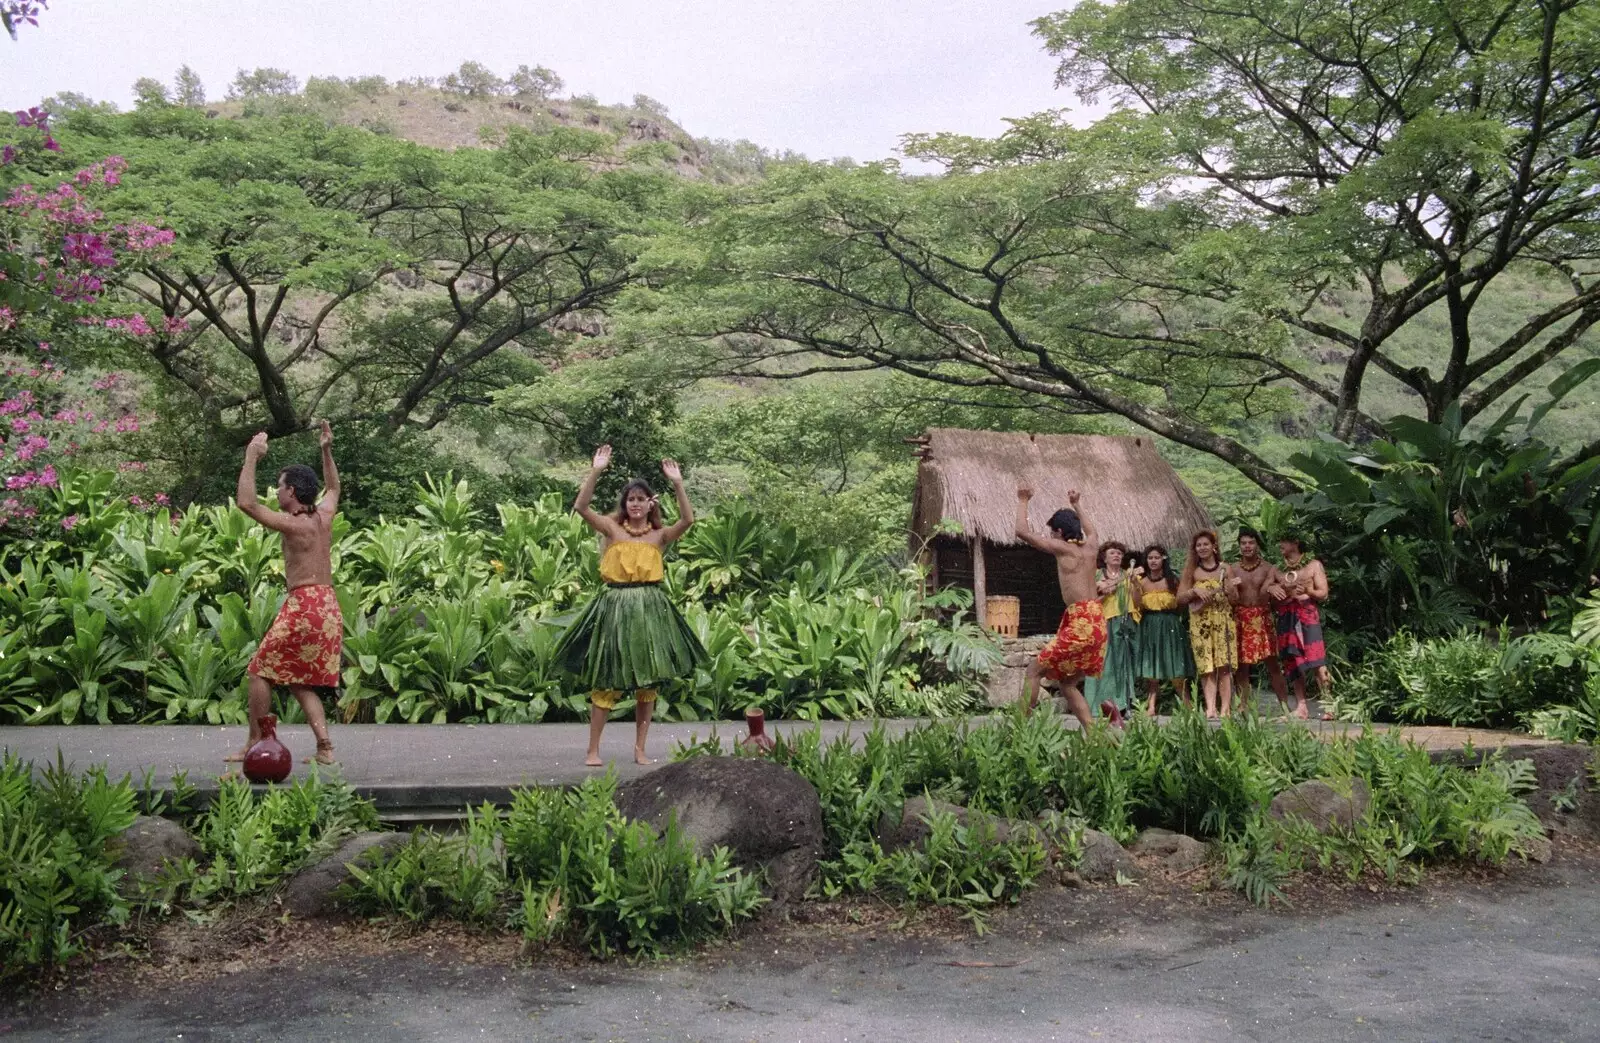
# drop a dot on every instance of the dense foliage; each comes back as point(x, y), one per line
point(121, 615)
point(1186, 776)
point(1440, 525)
point(564, 866)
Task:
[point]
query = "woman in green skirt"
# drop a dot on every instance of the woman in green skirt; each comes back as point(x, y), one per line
point(1112, 691)
point(630, 638)
point(1163, 652)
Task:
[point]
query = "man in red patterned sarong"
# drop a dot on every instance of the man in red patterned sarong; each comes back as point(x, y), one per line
point(302, 647)
point(1253, 619)
point(1300, 587)
point(1079, 647)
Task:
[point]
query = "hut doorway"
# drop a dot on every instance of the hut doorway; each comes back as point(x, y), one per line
point(1019, 571)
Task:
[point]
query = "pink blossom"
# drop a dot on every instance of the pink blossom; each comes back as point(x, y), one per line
point(69, 521)
point(147, 237)
point(127, 424)
point(162, 500)
point(136, 501)
point(48, 477)
point(23, 401)
point(174, 324)
point(67, 416)
point(134, 325)
point(31, 447)
point(20, 426)
point(89, 248)
point(105, 383)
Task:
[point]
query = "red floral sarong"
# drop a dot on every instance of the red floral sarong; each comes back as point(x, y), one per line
point(1255, 626)
point(1079, 646)
point(302, 646)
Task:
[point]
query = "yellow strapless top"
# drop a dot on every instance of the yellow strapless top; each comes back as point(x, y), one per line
point(1160, 600)
point(631, 561)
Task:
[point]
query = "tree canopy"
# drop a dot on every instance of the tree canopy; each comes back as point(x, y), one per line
point(1160, 265)
point(330, 272)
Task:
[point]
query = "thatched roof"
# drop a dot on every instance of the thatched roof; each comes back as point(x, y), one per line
point(1128, 491)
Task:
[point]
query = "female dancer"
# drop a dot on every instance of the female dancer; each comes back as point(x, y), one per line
point(1163, 648)
point(630, 637)
point(1112, 691)
point(1207, 589)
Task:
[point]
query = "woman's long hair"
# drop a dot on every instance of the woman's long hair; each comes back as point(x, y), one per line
point(1166, 566)
point(1194, 558)
point(639, 485)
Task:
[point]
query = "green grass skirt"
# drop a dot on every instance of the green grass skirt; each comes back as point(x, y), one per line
point(628, 638)
point(1116, 677)
point(1163, 647)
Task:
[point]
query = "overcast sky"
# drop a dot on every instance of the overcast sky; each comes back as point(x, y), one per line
point(826, 77)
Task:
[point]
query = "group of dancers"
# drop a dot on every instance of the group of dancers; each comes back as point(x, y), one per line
point(1124, 622)
point(1130, 622)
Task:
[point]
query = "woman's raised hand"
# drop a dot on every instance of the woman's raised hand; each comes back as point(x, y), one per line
point(671, 469)
point(602, 458)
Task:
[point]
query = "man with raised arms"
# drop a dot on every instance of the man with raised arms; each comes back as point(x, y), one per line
point(1079, 647)
point(303, 645)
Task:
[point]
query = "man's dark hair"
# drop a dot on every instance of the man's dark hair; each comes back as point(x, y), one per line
point(1253, 534)
point(1294, 538)
point(302, 481)
point(1065, 523)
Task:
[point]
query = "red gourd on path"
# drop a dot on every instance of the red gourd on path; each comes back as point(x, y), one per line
point(268, 760)
point(758, 737)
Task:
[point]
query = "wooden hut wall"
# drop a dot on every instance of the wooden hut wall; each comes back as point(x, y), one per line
point(1020, 571)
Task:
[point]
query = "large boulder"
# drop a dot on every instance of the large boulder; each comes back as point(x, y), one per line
point(766, 814)
point(310, 892)
point(1176, 852)
point(1326, 804)
point(149, 844)
point(910, 828)
point(1104, 858)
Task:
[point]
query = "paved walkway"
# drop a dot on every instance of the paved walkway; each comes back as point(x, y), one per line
point(424, 771)
point(409, 770)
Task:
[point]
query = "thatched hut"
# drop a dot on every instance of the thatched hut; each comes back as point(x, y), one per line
point(970, 478)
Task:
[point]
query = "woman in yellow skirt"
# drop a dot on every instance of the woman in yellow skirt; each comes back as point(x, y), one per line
point(1213, 636)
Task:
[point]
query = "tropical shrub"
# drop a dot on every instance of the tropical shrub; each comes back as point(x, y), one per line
point(254, 841)
point(56, 877)
point(1214, 782)
point(1464, 679)
point(1440, 527)
point(564, 865)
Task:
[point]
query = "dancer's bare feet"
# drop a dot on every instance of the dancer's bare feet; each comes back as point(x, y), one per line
point(640, 758)
point(324, 754)
point(593, 761)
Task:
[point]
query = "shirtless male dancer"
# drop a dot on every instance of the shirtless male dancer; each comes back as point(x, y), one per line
point(1297, 591)
point(302, 647)
point(1079, 647)
point(1253, 615)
